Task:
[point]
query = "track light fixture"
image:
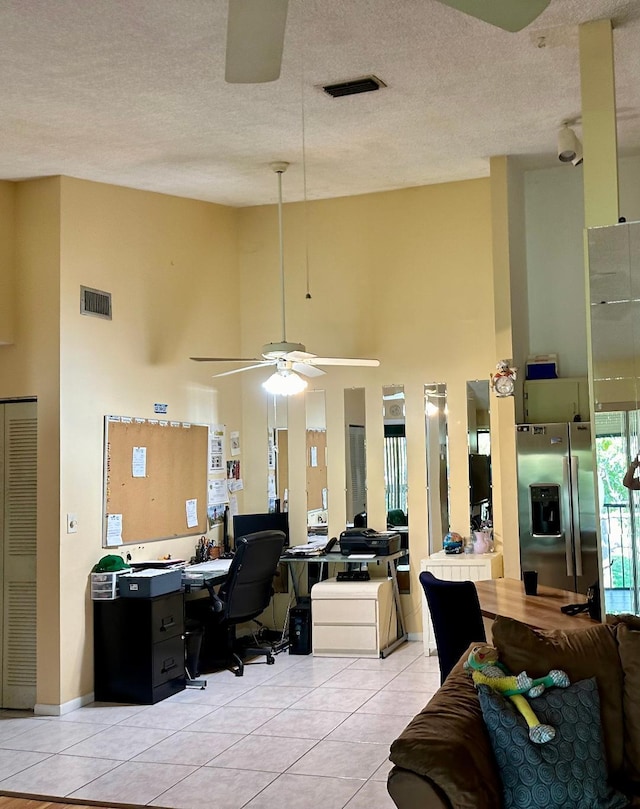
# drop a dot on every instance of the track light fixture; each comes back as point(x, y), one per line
point(569, 147)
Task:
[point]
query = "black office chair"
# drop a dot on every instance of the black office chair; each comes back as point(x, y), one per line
point(360, 520)
point(396, 516)
point(246, 592)
point(455, 616)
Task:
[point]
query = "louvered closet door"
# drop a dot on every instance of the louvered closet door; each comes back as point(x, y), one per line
point(18, 490)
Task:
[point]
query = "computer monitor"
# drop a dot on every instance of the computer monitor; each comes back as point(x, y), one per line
point(479, 478)
point(244, 524)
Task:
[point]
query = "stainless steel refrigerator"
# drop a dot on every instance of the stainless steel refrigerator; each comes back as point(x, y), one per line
point(556, 504)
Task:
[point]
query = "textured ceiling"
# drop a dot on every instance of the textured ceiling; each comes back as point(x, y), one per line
point(132, 92)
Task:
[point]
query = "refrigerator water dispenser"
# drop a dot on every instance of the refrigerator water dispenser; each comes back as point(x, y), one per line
point(545, 510)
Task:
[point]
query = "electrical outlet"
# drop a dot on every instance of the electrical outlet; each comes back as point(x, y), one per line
point(72, 523)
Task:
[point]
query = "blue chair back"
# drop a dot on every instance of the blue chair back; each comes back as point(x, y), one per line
point(455, 616)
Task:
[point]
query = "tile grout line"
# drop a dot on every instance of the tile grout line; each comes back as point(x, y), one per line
point(297, 671)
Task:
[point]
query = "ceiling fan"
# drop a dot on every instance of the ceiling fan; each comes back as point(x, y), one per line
point(290, 359)
point(255, 31)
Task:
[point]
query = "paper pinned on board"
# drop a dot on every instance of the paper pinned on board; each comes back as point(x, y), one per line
point(192, 512)
point(114, 529)
point(139, 462)
point(234, 442)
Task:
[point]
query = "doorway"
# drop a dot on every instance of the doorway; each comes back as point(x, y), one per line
point(616, 442)
point(18, 504)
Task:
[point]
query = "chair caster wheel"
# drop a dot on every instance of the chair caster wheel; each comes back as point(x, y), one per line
point(270, 660)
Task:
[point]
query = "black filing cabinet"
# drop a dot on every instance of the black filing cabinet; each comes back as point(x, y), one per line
point(139, 648)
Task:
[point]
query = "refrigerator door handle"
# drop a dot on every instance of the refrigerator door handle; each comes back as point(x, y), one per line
point(568, 517)
point(575, 514)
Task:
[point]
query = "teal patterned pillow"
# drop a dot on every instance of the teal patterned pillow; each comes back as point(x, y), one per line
point(568, 772)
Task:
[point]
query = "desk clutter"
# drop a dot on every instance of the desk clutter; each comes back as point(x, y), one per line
point(353, 575)
point(158, 624)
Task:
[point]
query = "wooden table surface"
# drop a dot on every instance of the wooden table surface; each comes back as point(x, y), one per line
point(542, 611)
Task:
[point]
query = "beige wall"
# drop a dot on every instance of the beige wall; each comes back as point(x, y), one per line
point(7, 261)
point(404, 276)
point(170, 264)
point(30, 367)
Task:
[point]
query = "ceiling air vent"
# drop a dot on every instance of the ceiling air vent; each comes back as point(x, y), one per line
point(348, 88)
point(94, 302)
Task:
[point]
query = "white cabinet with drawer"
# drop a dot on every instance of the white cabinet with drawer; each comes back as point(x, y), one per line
point(456, 567)
point(352, 619)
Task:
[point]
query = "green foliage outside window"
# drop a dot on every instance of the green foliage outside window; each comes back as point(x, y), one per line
point(612, 465)
point(615, 518)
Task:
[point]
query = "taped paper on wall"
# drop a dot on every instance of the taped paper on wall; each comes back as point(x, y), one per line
point(216, 447)
point(217, 491)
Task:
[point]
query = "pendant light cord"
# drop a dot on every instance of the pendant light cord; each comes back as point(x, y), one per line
point(304, 178)
point(281, 239)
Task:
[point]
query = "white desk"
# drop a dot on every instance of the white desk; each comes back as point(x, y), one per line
point(353, 618)
point(391, 563)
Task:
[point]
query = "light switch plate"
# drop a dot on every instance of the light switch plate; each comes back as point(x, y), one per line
point(72, 523)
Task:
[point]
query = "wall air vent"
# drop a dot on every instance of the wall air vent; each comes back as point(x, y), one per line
point(366, 84)
point(94, 302)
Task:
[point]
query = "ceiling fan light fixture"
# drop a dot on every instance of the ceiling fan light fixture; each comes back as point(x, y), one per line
point(284, 383)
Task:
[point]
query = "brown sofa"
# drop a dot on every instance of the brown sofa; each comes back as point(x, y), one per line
point(443, 759)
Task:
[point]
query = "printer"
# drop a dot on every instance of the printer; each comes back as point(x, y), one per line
point(367, 540)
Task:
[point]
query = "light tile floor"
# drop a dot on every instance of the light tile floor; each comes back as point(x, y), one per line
point(306, 732)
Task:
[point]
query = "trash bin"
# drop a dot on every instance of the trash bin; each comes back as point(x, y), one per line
point(193, 643)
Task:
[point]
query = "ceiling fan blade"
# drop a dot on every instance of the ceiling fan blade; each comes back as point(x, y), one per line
point(246, 368)
point(343, 361)
point(224, 359)
point(255, 39)
point(510, 15)
point(299, 356)
point(306, 369)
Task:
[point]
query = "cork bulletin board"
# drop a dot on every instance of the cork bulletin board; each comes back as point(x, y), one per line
point(155, 480)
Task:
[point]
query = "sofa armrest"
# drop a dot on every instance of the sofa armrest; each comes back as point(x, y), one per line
point(410, 790)
point(447, 743)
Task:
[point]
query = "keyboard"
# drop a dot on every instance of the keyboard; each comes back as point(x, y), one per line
point(210, 566)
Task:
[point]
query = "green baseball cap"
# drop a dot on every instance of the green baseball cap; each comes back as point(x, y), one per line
point(110, 563)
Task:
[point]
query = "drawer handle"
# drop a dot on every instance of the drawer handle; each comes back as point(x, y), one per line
point(168, 665)
point(170, 622)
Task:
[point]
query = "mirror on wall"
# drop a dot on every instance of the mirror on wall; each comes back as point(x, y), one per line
point(395, 473)
point(395, 455)
point(435, 409)
point(479, 442)
point(355, 456)
point(277, 454)
point(316, 465)
point(614, 297)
